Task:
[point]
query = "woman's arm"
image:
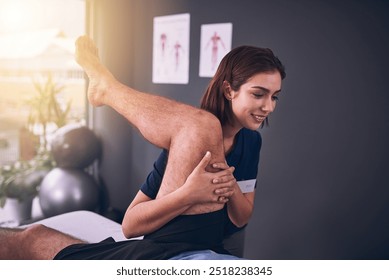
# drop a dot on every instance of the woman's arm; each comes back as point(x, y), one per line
point(240, 206)
point(145, 215)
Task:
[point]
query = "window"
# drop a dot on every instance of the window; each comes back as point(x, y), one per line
point(36, 64)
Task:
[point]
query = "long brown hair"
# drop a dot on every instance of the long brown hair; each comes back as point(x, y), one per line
point(239, 65)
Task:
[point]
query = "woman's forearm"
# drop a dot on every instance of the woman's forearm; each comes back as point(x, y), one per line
point(146, 215)
point(240, 207)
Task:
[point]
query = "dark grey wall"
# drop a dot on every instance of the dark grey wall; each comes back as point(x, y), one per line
point(324, 173)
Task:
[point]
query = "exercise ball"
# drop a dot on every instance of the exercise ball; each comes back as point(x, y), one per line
point(75, 146)
point(65, 190)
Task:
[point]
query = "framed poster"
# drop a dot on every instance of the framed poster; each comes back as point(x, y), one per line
point(171, 49)
point(215, 43)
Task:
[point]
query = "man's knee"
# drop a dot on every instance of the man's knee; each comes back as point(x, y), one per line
point(38, 242)
point(33, 235)
point(35, 230)
point(20, 243)
point(206, 126)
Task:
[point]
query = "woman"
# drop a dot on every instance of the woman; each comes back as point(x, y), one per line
point(241, 95)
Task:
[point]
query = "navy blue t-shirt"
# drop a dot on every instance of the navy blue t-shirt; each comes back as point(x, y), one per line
point(244, 156)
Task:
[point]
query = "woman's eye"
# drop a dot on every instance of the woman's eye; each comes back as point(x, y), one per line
point(259, 95)
point(256, 95)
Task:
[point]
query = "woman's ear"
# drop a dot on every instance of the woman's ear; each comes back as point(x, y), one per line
point(227, 90)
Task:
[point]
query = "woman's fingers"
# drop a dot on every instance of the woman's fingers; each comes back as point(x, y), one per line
point(222, 199)
point(223, 176)
point(220, 165)
point(225, 191)
point(204, 161)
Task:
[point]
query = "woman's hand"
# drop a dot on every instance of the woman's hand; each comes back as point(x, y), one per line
point(207, 186)
point(225, 192)
point(145, 215)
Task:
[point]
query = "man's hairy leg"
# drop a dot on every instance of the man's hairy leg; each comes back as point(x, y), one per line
point(36, 242)
point(157, 118)
point(188, 147)
point(187, 132)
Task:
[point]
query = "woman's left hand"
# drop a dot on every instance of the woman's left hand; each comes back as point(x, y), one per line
point(206, 187)
point(224, 192)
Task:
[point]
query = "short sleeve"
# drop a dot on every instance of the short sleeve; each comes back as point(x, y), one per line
point(153, 182)
point(245, 155)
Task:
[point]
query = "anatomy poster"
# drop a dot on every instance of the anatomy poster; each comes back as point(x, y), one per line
point(171, 49)
point(214, 44)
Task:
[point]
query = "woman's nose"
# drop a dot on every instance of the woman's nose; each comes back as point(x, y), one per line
point(268, 105)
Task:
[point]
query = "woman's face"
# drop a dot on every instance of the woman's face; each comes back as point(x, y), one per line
point(255, 99)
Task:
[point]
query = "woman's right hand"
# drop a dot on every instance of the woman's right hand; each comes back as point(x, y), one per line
point(205, 186)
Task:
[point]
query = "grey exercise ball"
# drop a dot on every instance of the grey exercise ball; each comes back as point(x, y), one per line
point(65, 190)
point(75, 146)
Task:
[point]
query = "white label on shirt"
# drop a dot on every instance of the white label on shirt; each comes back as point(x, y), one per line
point(247, 185)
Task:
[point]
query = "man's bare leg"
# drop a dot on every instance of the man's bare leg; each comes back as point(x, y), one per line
point(187, 132)
point(37, 242)
point(157, 118)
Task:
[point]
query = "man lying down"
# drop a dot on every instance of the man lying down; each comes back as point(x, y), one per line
point(197, 236)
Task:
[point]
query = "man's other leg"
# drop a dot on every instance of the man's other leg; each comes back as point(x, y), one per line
point(36, 242)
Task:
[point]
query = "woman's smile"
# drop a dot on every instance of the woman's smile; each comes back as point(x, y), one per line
point(258, 118)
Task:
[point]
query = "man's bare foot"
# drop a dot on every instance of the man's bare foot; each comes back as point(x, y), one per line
point(100, 78)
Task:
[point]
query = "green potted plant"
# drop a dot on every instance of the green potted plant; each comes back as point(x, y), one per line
point(19, 184)
point(46, 109)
